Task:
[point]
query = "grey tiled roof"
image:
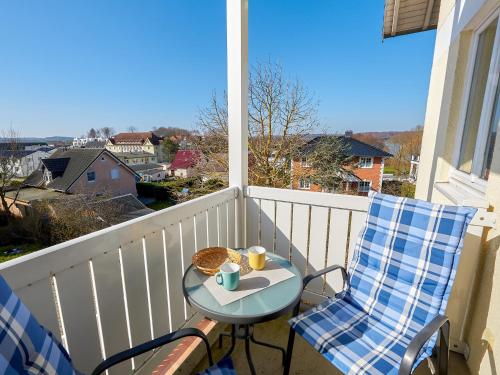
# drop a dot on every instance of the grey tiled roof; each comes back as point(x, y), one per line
point(126, 207)
point(79, 161)
point(66, 165)
point(35, 179)
point(146, 167)
point(354, 147)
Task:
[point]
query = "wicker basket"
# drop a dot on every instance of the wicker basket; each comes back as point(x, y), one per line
point(210, 259)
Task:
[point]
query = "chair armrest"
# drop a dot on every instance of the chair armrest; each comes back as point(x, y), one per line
point(439, 324)
point(324, 271)
point(317, 274)
point(153, 344)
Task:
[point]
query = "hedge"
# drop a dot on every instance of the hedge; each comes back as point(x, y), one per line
point(152, 190)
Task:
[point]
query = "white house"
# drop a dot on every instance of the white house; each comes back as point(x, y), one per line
point(25, 162)
point(150, 172)
point(81, 142)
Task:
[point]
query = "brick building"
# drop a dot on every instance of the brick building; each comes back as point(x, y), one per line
point(364, 172)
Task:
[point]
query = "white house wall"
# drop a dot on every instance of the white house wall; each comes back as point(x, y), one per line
point(479, 266)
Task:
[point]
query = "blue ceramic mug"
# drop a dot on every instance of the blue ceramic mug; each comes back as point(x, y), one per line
point(229, 276)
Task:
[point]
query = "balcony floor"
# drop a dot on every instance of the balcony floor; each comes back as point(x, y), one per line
point(305, 359)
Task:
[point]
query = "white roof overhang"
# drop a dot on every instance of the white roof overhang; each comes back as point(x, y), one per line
point(409, 16)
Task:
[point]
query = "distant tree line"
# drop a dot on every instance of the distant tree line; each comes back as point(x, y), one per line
point(104, 132)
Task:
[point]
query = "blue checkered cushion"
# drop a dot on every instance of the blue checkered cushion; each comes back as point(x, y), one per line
point(25, 346)
point(223, 367)
point(401, 275)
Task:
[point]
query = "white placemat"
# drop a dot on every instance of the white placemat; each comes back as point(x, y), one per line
point(250, 282)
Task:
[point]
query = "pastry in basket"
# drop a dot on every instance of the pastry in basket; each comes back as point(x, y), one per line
point(210, 259)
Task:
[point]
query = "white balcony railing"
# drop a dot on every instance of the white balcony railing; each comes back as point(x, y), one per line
point(313, 230)
point(121, 286)
point(109, 290)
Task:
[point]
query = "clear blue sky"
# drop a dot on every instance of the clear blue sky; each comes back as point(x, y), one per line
point(66, 66)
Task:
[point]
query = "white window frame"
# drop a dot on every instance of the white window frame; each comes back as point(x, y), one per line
point(473, 180)
point(364, 166)
point(360, 190)
point(305, 183)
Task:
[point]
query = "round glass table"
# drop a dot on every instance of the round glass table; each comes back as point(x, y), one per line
point(264, 305)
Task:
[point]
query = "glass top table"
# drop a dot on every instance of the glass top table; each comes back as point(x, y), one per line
point(266, 304)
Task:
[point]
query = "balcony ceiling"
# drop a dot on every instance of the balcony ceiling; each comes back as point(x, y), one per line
point(409, 16)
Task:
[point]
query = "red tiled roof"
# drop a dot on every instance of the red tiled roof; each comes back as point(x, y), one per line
point(185, 159)
point(135, 138)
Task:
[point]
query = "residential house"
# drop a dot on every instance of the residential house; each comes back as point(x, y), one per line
point(22, 145)
point(24, 162)
point(150, 172)
point(136, 158)
point(364, 172)
point(184, 163)
point(84, 171)
point(140, 143)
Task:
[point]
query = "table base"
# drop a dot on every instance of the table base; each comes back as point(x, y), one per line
point(248, 336)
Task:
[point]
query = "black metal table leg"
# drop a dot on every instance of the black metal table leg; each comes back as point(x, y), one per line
point(247, 350)
point(289, 349)
point(248, 336)
point(233, 341)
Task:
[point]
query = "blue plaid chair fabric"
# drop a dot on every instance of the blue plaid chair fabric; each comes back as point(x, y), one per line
point(401, 274)
point(25, 346)
point(223, 367)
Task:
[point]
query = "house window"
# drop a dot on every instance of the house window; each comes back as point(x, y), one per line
point(481, 115)
point(305, 183)
point(364, 186)
point(365, 162)
point(91, 176)
point(115, 173)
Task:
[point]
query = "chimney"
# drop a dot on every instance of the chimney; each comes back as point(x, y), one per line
point(348, 134)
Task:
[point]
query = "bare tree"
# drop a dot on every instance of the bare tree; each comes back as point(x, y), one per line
point(76, 215)
point(370, 139)
point(281, 112)
point(107, 131)
point(132, 129)
point(9, 163)
point(404, 145)
point(92, 133)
